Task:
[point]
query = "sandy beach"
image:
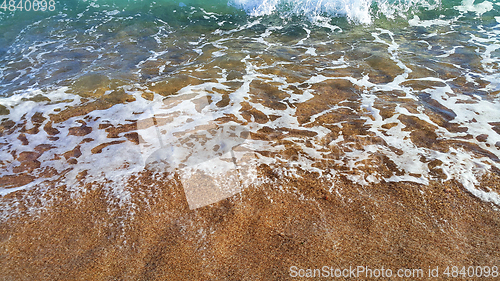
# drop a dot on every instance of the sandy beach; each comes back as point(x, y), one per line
point(258, 234)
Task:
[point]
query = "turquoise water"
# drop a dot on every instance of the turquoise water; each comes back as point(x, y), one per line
point(50, 49)
point(373, 91)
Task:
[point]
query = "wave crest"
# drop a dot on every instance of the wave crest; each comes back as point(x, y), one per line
point(358, 11)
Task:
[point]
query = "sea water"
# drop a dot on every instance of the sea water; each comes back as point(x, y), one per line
point(371, 91)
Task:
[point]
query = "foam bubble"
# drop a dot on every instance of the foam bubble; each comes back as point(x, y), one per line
point(479, 9)
point(416, 21)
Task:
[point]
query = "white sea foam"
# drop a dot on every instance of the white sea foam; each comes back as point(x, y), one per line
point(358, 11)
point(479, 8)
point(416, 21)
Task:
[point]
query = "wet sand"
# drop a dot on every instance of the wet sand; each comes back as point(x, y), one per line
point(255, 235)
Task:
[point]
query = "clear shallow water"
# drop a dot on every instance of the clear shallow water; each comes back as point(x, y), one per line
point(371, 91)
